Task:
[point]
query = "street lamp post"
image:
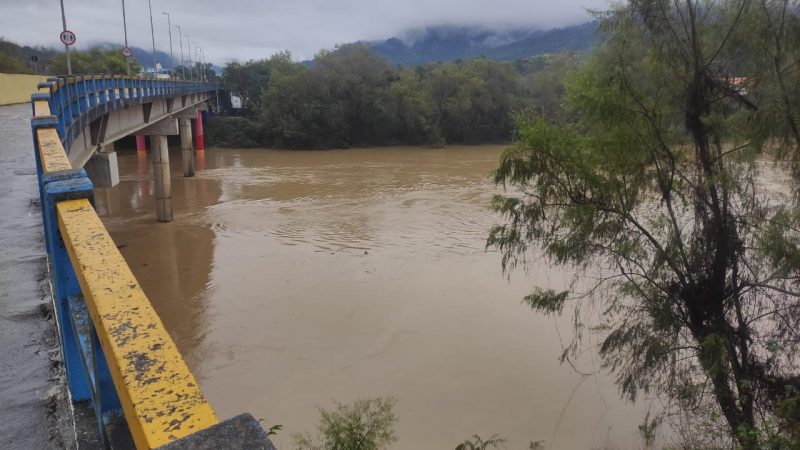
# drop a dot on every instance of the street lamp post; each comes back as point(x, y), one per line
point(169, 27)
point(180, 43)
point(197, 59)
point(202, 65)
point(203, 58)
point(153, 37)
point(189, 55)
point(125, 28)
point(66, 47)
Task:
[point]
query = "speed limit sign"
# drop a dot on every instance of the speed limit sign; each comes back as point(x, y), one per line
point(67, 37)
point(127, 52)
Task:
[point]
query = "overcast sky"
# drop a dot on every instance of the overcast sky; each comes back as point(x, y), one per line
point(245, 29)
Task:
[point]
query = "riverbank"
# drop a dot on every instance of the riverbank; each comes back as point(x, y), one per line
point(246, 132)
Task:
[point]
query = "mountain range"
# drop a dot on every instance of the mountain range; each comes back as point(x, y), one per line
point(448, 43)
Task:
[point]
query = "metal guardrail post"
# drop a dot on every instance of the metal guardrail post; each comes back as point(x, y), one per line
point(65, 283)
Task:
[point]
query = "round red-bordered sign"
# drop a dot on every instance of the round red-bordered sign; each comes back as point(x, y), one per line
point(127, 52)
point(67, 37)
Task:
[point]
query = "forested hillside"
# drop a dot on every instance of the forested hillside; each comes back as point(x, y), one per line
point(449, 43)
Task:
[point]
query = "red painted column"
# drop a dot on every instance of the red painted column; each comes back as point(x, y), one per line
point(141, 146)
point(199, 140)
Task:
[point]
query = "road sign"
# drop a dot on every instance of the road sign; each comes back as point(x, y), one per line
point(127, 51)
point(68, 37)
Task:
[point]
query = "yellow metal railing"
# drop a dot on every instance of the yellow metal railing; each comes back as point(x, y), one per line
point(160, 397)
point(123, 338)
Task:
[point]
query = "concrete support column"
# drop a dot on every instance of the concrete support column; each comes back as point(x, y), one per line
point(163, 184)
point(199, 139)
point(102, 168)
point(141, 145)
point(187, 153)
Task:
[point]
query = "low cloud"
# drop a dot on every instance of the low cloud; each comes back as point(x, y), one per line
point(245, 29)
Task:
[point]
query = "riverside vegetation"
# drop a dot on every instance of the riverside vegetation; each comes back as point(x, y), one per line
point(640, 168)
point(352, 97)
point(651, 186)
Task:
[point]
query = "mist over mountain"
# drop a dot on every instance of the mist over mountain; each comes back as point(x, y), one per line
point(145, 57)
point(447, 43)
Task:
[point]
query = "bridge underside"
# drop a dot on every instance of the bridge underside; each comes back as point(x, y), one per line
point(100, 132)
point(93, 147)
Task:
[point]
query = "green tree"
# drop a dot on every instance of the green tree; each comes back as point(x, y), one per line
point(650, 188)
point(11, 58)
point(355, 76)
point(545, 82)
point(409, 112)
point(365, 425)
point(298, 111)
point(12, 64)
point(95, 60)
point(248, 80)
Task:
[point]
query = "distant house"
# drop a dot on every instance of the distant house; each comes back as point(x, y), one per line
point(236, 102)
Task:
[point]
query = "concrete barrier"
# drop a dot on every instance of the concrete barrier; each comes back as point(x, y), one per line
point(17, 88)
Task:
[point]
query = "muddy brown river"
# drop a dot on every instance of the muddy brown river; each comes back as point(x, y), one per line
point(292, 279)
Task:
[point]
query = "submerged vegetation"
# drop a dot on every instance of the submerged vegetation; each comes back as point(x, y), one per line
point(647, 183)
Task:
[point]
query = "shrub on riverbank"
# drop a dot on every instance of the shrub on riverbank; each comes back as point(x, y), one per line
point(233, 132)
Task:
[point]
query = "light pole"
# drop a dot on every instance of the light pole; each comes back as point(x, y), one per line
point(203, 64)
point(180, 43)
point(125, 28)
point(153, 36)
point(189, 55)
point(196, 60)
point(169, 27)
point(66, 47)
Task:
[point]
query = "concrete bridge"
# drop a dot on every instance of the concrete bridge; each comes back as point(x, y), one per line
point(119, 357)
point(94, 111)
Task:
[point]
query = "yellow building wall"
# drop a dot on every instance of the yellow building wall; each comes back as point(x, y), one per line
point(15, 88)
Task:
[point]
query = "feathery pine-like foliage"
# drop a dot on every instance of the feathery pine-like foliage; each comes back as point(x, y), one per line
point(659, 180)
point(367, 424)
point(478, 443)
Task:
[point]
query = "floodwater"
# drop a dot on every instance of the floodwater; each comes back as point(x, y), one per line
point(293, 279)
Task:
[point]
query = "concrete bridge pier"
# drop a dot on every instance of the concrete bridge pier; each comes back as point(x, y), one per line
point(199, 138)
point(141, 144)
point(159, 154)
point(187, 153)
point(102, 167)
point(163, 183)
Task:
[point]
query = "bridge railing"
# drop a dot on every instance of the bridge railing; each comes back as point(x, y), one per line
point(117, 353)
point(80, 99)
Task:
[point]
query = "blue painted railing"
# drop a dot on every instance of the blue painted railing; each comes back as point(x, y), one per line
point(78, 100)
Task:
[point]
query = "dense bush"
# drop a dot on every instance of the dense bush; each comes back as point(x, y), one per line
point(233, 132)
point(352, 97)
